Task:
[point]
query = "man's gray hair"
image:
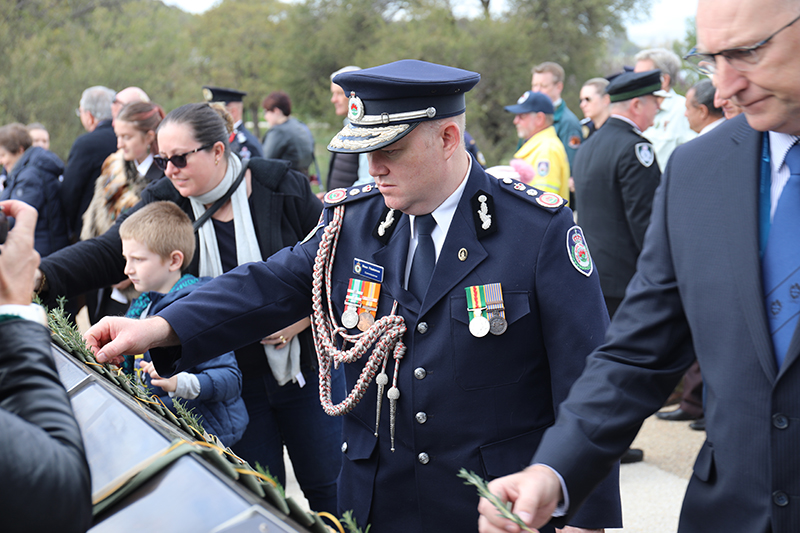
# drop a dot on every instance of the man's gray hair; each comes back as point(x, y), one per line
point(664, 60)
point(704, 92)
point(349, 68)
point(97, 101)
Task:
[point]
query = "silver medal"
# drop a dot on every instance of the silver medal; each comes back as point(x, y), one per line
point(349, 319)
point(479, 326)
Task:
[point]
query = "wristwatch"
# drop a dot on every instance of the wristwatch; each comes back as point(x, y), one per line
point(34, 312)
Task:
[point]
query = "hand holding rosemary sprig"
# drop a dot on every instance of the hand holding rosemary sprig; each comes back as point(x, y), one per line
point(483, 491)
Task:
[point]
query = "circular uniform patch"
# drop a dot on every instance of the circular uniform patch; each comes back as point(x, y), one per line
point(578, 251)
point(549, 199)
point(335, 196)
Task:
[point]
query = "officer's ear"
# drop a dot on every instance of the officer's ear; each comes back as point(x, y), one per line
point(451, 137)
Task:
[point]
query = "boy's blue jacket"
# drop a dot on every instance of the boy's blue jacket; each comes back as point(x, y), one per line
point(220, 402)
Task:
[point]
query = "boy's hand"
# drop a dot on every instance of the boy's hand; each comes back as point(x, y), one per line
point(169, 385)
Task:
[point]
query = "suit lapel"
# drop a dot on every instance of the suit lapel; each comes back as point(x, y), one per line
point(393, 258)
point(742, 164)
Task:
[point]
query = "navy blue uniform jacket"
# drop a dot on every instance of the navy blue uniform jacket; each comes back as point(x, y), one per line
point(697, 290)
point(487, 400)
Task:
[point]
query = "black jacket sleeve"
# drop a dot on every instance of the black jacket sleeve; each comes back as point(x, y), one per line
point(98, 262)
point(45, 477)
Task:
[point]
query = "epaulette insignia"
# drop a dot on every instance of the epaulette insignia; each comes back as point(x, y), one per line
point(344, 195)
point(483, 214)
point(547, 200)
point(383, 231)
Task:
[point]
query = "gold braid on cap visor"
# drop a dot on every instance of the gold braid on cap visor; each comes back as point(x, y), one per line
point(351, 138)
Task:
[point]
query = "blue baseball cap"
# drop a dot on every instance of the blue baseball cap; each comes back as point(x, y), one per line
point(532, 102)
point(388, 101)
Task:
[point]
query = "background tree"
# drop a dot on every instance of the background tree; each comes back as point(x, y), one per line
point(51, 50)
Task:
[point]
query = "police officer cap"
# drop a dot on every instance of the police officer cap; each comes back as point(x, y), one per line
point(633, 84)
point(532, 102)
point(388, 101)
point(222, 94)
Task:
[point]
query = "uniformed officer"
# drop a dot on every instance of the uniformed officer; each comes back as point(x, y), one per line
point(545, 161)
point(243, 143)
point(441, 284)
point(616, 175)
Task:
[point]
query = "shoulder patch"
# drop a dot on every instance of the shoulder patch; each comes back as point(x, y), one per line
point(547, 200)
point(349, 194)
point(543, 168)
point(644, 153)
point(578, 251)
point(574, 141)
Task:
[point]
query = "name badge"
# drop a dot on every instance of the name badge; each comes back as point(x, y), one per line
point(368, 270)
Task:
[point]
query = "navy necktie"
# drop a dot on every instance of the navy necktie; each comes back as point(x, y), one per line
point(781, 263)
point(424, 257)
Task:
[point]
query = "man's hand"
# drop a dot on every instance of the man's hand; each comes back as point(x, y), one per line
point(18, 259)
point(114, 337)
point(535, 493)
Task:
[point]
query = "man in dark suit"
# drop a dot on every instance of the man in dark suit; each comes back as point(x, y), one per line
point(87, 155)
point(467, 271)
point(616, 175)
point(722, 227)
point(243, 142)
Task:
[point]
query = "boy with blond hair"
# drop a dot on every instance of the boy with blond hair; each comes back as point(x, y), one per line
point(158, 244)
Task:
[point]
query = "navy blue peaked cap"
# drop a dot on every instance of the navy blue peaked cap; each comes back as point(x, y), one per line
point(388, 101)
point(635, 84)
point(222, 94)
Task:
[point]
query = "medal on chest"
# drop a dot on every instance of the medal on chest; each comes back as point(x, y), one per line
point(486, 310)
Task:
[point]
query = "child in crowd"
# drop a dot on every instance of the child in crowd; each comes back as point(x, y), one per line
point(158, 244)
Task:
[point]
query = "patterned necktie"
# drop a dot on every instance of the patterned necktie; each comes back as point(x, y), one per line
point(781, 263)
point(424, 257)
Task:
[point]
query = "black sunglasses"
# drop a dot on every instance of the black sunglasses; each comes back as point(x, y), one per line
point(178, 160)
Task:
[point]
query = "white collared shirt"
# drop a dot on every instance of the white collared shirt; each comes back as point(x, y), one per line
point(711, 126)
point(144, 166)
point(443, 215)
point(779, 144)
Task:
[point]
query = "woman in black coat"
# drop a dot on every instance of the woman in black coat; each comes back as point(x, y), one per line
point(273, 207)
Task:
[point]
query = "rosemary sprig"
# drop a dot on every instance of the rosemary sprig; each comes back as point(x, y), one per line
point(350, 523)
point(483, 490)
point(188, 415)
point(265, 472)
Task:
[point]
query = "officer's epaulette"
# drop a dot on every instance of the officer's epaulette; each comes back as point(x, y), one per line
point(547, 200)
point(349, 194)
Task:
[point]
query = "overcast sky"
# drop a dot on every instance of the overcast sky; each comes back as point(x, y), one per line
point(667, 19)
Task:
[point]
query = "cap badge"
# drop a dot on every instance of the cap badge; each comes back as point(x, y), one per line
point(356, 108)
point(208, 95)
point(523, 97)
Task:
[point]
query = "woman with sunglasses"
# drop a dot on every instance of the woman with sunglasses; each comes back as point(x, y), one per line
point(124, 175)
point(271, 208)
